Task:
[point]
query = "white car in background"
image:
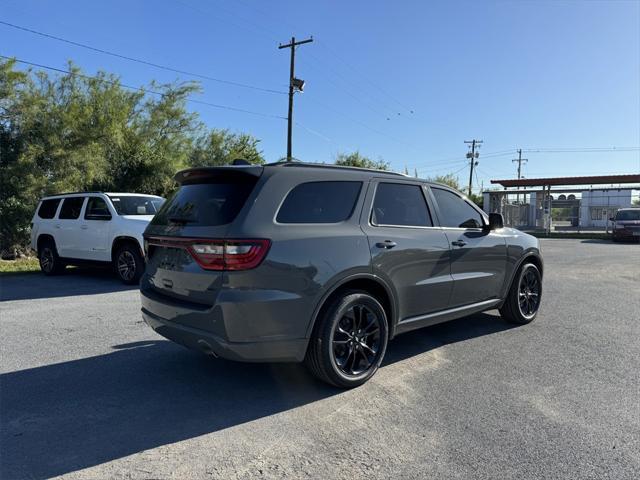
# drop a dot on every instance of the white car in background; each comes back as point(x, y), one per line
point(93, 227)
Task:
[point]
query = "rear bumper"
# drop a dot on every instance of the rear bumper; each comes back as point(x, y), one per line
point(271, 350)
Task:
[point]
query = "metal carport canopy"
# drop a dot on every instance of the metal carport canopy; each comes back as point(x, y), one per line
point(592, 180)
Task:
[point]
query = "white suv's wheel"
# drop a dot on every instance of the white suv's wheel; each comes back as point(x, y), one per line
point(50, 262)
point(129, 264)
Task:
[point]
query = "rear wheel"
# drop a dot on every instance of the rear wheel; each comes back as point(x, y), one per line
point(525, 294)
point(50, 262)
point(349, 341)
point(129, 264)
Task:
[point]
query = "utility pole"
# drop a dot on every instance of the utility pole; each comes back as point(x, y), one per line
point(520, 160)
point(295, 84)
point(472, 156)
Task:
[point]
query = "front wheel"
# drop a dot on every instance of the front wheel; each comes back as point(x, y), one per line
point(129, 264)
point(349, 341)
point(524, 297)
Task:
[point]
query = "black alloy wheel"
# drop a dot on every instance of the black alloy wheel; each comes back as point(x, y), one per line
point(529, 293)
point(525, 295)
point(357, 340)
point(349, 340)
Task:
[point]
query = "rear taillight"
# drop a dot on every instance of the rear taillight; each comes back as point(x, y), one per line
point(220, 254)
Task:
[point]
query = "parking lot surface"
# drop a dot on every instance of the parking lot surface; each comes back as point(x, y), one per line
point(89, 391)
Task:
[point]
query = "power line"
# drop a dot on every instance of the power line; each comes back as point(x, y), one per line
point(582, 150)
point(123, 85)
point(364, 125)
point(364, 77)
point(323, 71)
point(141, 61)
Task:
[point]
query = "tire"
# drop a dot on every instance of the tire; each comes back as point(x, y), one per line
point(128, 264)
point(50, 262)
point(342, 351)
point(525, 296)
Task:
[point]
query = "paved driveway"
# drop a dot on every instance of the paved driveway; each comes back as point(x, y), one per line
point(88, 391)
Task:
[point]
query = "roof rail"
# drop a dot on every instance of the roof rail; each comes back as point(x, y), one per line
point(71, 193)
point(284, 163)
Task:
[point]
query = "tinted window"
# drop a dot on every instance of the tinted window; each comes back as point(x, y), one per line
point(455, 211)
point(398, 204)
point(319, 202)
point(205, 204)
point(71, 208)
point(628, 215)
point(96, 209)
point(48, 208)
point(133, 205)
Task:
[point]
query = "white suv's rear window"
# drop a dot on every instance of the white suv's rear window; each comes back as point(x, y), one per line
point(48, 208)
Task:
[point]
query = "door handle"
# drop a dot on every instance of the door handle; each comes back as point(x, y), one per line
point(386, 244)
point(84, 227)
point(459, 243)
point(56, 226)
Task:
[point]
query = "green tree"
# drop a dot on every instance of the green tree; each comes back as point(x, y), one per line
point(355, 159)
point(452, 181)
point(73, 132)
point(449, 179)
point(220, 147)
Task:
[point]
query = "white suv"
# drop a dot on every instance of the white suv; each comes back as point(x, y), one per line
point(93, 227)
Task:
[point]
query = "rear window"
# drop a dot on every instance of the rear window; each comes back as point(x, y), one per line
point(205, 204)
point(48, 208)
point(319, 202)
point(71, 208)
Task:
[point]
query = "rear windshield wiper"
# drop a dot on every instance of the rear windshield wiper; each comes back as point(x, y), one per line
point(181, 220)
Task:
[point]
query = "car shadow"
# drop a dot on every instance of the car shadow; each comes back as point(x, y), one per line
point(609, 241)
point(68, 416)
point(73, 281)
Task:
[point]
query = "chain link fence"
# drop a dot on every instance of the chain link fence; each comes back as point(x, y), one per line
point(589, 210)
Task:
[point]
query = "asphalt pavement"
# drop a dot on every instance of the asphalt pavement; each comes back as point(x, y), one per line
point(87, 390)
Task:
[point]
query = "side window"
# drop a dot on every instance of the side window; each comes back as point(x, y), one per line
point(400, 204)
point(319, 202)
point(97, 209)
point(455, 212)
point(71, 207)
point(48, 208)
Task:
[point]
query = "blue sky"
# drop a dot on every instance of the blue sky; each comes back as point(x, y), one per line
point(536, 75)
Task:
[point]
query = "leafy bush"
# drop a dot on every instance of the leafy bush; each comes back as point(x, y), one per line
point(73, 133)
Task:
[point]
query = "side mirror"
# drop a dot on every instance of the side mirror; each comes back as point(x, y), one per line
point(611, 219)
point(495, 221)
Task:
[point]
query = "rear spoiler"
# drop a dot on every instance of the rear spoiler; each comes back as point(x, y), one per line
point(208, 174)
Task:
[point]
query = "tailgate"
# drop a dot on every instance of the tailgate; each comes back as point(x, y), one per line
point(200, 213)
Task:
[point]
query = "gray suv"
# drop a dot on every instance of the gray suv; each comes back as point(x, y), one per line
point(292, 262)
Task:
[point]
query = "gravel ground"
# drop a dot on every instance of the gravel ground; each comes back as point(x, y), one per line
point(88, 391)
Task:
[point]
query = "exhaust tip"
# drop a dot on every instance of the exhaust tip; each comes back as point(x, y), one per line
point(207, 349)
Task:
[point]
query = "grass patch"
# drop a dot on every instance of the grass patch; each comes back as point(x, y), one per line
point(21, 265)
